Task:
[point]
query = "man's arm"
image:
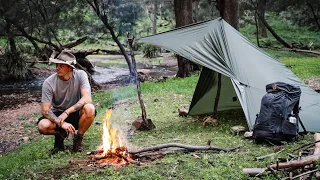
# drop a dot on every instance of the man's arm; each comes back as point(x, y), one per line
point(85, 98)
point(59, 121)
point(47, 113)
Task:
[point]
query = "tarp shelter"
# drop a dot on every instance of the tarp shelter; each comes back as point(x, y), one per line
point(245, 69)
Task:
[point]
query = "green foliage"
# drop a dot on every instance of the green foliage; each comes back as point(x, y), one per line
point(296, 11)
point(143, 26)
point(13, 67)
point(291, 33)
point(150, 51)
point(3, 42)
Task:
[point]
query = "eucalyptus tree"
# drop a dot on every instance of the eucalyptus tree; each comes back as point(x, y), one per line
point(183, 14)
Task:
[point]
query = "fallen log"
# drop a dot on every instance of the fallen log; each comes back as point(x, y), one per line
point(293, 50)
point(187, 147)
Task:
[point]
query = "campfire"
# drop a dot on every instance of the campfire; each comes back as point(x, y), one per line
point(113, 150)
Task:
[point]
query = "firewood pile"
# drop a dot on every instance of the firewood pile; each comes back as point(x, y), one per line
point(304, 166)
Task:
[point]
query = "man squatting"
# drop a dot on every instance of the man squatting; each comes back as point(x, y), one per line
point(66, 103)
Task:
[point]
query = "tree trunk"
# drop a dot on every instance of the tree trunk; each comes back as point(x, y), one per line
point(147, 123)
point(261, 12)
point(183, 14)
point(229, 12)
point(256, 19)
point(155, 10)
point(314, 15)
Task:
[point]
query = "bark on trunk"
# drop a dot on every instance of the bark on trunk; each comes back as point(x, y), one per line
point(184, 67)
point(149, 125)
point(261, 12)
point(183, 15)
point(257, 28)
point(155, 9)
point(229, 12)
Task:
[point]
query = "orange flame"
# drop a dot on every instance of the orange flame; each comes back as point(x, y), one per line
point(113, 143)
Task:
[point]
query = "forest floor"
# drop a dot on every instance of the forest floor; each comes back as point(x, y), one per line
point(19, 112)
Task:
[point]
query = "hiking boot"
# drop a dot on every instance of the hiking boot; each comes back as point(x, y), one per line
point(58, 141)
point(77, 143)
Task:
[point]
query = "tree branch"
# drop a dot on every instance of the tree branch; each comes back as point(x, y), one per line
point(187, 147)
point(314, 15)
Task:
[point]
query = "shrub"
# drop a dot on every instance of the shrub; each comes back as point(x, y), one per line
point(150, 51)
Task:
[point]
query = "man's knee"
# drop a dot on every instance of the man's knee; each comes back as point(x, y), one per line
point(89, 110)
point(44, 126)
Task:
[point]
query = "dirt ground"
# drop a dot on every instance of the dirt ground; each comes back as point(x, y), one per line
point(20, 112)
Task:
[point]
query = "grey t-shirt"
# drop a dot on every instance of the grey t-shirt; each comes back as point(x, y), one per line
point(64, 94)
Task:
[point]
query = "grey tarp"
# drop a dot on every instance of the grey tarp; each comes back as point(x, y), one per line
point(219, 47)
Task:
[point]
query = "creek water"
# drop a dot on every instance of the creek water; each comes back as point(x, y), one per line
point(101, 76)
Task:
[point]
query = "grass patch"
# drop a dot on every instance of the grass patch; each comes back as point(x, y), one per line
point(304, 68)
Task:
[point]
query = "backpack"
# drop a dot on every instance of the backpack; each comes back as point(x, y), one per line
point(278, 119)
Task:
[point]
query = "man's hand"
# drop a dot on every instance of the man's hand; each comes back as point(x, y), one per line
point(61, 118)
point(68, 127)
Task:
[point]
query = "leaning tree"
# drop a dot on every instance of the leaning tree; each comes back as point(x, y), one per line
point(117, 15)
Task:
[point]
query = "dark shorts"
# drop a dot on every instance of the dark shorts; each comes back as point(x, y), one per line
point(73, 118)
